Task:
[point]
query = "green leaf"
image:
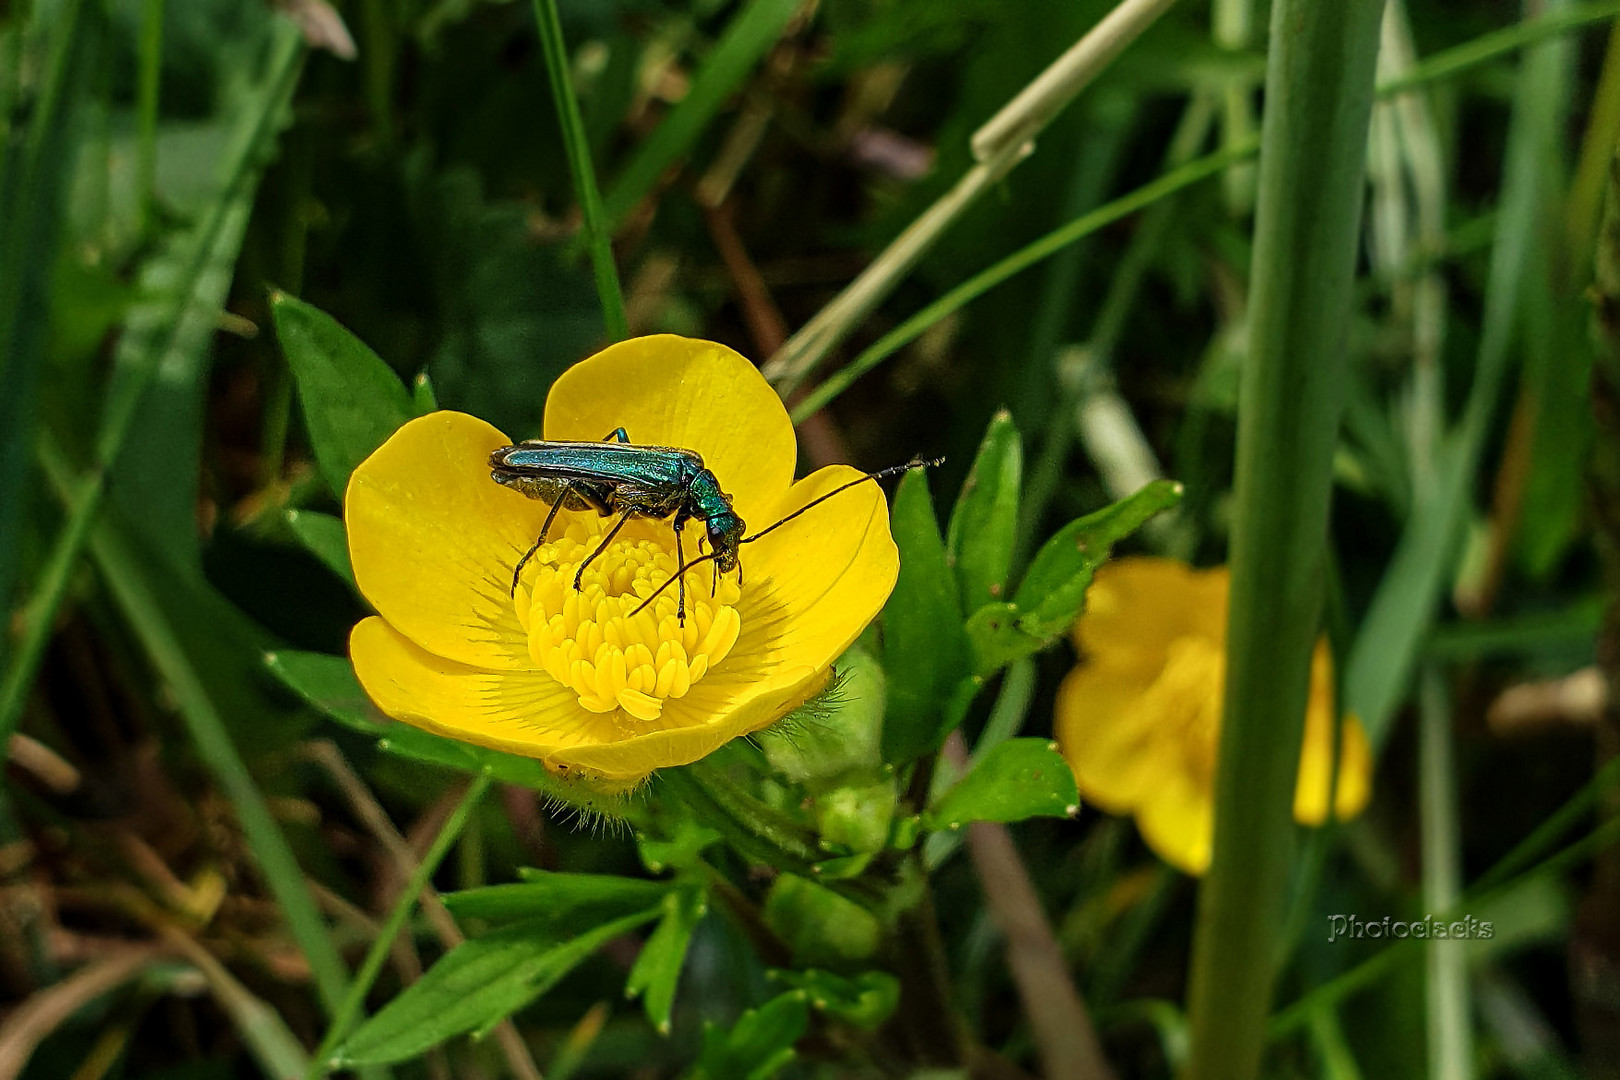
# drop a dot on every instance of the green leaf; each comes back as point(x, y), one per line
point(866, 1000)
point(352, 400)
point(1051, 594)
point(558, 897)
point(657, 970)
point(984, 525)
point(924, 649)
point(1021, 778)
point(476, 986)
point(759, 1044)
point(324, 537)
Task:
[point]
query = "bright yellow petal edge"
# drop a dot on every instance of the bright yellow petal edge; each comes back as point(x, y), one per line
point(1139, 746)
point(434, 541)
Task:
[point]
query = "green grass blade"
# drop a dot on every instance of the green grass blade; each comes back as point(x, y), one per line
point(749, 36)
point(1319, 94)
point(1450, 1042)
point(597, 232)
point(148, 83)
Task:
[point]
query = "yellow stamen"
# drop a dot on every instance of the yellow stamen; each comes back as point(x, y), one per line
point(589, 641)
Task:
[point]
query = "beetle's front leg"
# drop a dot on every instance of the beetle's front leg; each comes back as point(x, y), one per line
point(544, 529)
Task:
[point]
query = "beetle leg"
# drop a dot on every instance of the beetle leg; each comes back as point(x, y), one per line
point(606, 540)
point(680, 572)
point(617, 435)
point(544, 529)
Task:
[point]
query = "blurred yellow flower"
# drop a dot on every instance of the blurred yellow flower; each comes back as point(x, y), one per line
point(572, 678)
point(1139, 719)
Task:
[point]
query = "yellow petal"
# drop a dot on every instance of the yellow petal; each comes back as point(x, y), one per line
point(706, 731)
point(666, 390)
point(523, 712)
point(433, 540)
point(1316, 754)
point(1178, 823)
point(1109, 741)
point(1136, 607)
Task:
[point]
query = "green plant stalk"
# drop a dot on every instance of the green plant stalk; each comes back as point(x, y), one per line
point(597, 234)
point(1450, 1041)
point(88, 490)
point(1443, 65)
point(132, 592)
point(1319, 95)
point(748, 37)
point(354, 1000)
point(149, 80)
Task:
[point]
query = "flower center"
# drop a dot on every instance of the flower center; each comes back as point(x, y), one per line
point(1187, 694)
point(595, 642)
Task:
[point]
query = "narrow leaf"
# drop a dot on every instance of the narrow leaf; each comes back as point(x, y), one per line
point(323, 536)
point(1021, 778)
point(984, 525)
point(924, 650)
point(658, 969)
point(1054, 588)
point(477, 985)
point(557, 897)
point(352, 400)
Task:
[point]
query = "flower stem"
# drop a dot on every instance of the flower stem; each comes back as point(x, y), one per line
point(1319, 93)
point(579, 163)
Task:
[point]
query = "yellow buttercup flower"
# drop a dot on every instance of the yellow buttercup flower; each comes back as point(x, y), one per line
point(578, 679)
point(1139, 719)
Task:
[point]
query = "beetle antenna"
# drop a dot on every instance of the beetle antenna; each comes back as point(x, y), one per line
point(673, 578)
point(881, 474)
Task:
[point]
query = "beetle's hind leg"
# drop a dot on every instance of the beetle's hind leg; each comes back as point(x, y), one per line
point(618, 434)
point(551, 516)
point(579, 574)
